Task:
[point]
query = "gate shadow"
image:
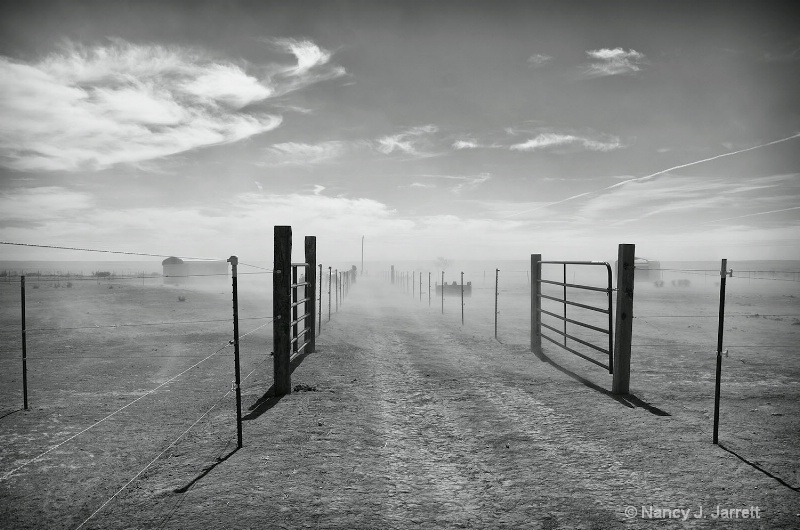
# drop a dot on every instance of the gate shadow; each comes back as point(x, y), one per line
point(269, 399)
point(629, 400)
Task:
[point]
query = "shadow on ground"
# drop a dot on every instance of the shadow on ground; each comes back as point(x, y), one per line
point(269, 399)
point(629, 400)
point(756, 466)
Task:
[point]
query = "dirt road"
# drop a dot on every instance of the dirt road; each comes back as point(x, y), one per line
point(403, 423)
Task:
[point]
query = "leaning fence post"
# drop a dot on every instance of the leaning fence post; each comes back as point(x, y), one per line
point(624, 320)
point(311, 291)
point(234, 261)
point(723, 274)
point(24, 346)
point(536, 303)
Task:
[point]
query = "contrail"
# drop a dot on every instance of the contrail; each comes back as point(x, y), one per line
point(751, 215)
point(658, 173)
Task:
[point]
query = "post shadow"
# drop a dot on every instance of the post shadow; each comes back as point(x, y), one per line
point(10, 413)
point(629, 400)
point(269, 399)
point(208, 469)
point(756, 466)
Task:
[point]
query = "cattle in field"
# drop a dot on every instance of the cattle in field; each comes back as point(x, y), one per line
point(681, 283)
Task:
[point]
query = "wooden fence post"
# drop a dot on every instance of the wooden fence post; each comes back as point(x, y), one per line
point(623, 329)
point(536, 303)
point(282, 310)
point(311, 292)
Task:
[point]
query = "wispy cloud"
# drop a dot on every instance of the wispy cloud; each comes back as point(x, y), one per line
point(539, 59)
point(617, 61)
point(462, 183)
point(465, 144)
point(415, 142)
point(681, 198)
point(300, 154)
point(554, 140)
point(90, 107)
point(312, 65)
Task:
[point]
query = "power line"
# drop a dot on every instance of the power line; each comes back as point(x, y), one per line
point(106, 251)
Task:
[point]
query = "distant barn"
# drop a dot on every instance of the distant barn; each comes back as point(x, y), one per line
point(181, 272)
point(645, 270)
point(454, 289)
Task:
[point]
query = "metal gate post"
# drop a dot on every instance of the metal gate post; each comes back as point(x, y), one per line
point(536, 304)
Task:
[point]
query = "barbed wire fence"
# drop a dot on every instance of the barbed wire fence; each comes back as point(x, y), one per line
point(64, 343)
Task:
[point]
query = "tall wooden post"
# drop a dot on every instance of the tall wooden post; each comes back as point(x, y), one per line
point(623, 329)
point(282, 309)
point(536, 303)
point(392, 274)
point(337, 290)
point(319, 301)
point(443, 292)
point(311, 293)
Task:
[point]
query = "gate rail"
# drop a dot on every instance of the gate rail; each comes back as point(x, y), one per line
point(565, 302)
point(295, 303)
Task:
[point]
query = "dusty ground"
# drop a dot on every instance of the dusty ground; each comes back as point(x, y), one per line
point(403, 418)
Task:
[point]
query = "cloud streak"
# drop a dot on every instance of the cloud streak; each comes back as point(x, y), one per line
point(301, 154)
point(657, 173)
point(415, 142)
point(554, 140)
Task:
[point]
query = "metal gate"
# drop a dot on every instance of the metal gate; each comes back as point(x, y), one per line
point(606, 348)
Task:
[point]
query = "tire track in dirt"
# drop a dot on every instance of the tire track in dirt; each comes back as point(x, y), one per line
point(465, 439)
point(500, 453)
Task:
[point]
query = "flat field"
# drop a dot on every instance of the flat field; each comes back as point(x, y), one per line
point(402, 417)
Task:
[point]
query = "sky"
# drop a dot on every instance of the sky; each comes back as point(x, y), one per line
point(463, 130)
